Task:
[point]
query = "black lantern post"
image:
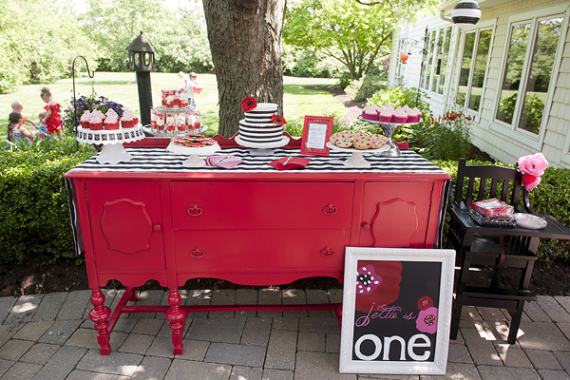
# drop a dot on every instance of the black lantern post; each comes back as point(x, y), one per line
point(141, 60)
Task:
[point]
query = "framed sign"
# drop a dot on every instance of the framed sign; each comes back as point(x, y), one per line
point(316, 133)
point(396, 310)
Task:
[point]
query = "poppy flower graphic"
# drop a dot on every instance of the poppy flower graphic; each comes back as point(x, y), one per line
point(425, 303)
point(367, 280)
point(278, 119)
point(387, 290)
point(248, 104)
point(427, 320)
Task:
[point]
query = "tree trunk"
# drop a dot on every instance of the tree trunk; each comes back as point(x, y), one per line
point(245, 40)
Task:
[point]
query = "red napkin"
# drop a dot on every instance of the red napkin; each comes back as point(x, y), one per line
point(290, 163)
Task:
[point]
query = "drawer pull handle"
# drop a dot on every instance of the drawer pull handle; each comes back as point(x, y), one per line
point(365, 226)
point(156, 227)
point(326, 252)
point(197, 253)
point(195, 210)
point(329, 209)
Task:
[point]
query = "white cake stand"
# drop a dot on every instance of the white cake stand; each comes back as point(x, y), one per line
point(389, 129)
point(357, 159)
point(113, 150)
point(194, 160)
point(262, 149)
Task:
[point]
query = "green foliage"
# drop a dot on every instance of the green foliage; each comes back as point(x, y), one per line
point(398, 97)
point(179, 38)
point(365, 87)
point(295, 126)
point(35, 215)
point(37, 42)
point(447, 138)
point(307, 63)
point(88, 103)
point(352, 33)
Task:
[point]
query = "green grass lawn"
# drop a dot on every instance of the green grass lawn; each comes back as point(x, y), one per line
point(298, 101)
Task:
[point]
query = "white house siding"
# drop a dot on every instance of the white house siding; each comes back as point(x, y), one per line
point(493, 137)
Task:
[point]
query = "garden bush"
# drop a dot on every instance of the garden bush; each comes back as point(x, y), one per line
point(35, 223)
point(365, 87)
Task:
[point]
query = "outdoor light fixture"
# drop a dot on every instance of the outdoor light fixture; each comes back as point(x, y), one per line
point(466, 14)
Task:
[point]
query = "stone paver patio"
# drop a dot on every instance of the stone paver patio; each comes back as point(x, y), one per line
point(50, 337)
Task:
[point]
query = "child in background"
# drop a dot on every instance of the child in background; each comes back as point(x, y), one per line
point(16, 130)
point(17, 106)
point(52, 120)
point(42, 128)
point(192, 88)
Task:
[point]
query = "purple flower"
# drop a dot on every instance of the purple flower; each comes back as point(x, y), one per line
point(427, 320)
point(367, 280)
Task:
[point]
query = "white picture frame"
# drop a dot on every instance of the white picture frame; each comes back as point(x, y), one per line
point(396, 336)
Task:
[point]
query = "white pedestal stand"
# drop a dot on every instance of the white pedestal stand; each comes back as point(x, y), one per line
point(113, 150)
point(194, 160)
point(389, 129)
point(357, 160)
point(262, 149)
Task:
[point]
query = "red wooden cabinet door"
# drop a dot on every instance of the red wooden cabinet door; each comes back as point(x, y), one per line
point(395, 214)
point(126, 225)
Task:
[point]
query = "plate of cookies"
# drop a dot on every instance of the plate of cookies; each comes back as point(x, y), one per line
point(193, 144)
point(358, 142)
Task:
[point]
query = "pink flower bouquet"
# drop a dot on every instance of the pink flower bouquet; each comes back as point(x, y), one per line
point(532, 168)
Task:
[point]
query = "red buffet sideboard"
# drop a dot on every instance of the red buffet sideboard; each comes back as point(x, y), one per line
point(153, 219)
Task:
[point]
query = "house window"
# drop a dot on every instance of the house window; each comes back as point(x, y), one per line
point(528, 72)
point(428, 60)
point(473, 68)
point(442, 61)
point(436, 59)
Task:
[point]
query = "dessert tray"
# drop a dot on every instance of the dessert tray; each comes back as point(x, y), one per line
point(165, 133)
point(112, 140)
point(194, 160)
point(262, 149)
point(357, 159)
point(389, 128)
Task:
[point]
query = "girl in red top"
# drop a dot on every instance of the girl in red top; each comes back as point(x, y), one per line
point(52, 120)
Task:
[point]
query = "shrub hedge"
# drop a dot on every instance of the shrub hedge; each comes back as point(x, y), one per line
point(35, 221)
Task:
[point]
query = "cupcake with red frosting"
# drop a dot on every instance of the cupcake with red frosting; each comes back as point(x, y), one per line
point(400, 116)
point(96, 120)
point(129, 119)
point(111, 120)
point(84, 120)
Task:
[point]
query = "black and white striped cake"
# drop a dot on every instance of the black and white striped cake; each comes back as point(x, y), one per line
point(258, 127)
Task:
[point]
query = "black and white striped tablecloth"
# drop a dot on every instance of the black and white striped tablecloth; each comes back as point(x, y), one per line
point(148, 160)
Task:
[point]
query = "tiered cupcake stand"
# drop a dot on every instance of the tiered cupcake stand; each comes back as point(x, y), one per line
point(176, 132)
point(113, 150)
point(389, 129)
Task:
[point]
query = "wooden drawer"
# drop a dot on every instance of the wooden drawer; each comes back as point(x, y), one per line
point(261, 205)
point(263, 253)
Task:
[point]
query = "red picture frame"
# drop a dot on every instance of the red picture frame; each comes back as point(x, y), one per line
point(317, 131)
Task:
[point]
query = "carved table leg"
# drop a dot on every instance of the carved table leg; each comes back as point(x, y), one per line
point(100, 316)
point(176, 317)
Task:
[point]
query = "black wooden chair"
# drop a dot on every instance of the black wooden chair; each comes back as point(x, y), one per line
point(483, 253)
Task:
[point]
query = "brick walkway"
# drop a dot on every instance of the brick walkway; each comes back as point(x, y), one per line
point(49, 337)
